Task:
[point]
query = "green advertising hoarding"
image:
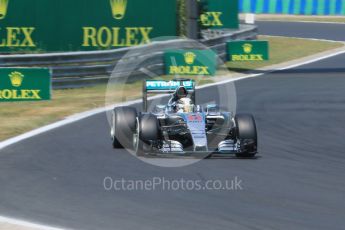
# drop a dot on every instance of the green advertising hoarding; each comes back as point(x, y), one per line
point(220, 14)
point(83, 25)
point(248, 50)
point(190, 62)
point(25, 84)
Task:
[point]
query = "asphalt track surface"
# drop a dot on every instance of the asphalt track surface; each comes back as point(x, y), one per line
point(297, 182)
point(306, 30)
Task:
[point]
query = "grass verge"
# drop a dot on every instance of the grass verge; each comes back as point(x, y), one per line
point(19, 117)
point(284, 49)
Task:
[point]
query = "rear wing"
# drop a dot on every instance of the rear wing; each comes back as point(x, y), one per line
point(166, 87)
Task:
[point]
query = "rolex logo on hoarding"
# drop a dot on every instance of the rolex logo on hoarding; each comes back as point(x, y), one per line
point(247, 48)
point(16, 78)
point(189, 58)
point(3, 8)
point(118, 8)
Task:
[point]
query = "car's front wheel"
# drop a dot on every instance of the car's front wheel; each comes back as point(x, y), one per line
point(247, 135)
point(124, 121)
point(147, 133)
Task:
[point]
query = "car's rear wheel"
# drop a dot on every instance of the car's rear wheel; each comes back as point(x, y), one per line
point(124, 121)
point(147, 133)
point(247, 135)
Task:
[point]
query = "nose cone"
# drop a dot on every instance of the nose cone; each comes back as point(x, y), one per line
point(196, 125)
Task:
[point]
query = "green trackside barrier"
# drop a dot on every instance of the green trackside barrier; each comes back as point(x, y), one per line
point(25, 84)
point(248, 51)
point(83, 25)
point(190, 62)
point(220, 14)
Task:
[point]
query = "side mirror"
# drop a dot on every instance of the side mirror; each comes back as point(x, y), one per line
point(213, 110)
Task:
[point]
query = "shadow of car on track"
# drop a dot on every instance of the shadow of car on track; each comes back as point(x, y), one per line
point(291, 71)
point(234, 158)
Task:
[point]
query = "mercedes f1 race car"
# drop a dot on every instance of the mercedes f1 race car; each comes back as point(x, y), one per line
point(182, 128)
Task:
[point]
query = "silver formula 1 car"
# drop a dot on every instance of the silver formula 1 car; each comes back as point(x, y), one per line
point(181, 127)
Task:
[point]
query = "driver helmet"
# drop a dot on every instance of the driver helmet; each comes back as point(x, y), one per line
point(181, 92)
point(185, 105)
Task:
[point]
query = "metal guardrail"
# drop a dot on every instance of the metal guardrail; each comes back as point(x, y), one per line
point(78, 69)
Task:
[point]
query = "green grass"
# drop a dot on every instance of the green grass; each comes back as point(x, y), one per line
point(284, 49)
point(20, 117)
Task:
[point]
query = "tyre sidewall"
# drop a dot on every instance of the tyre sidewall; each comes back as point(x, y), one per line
point(148, 132)
point(125, 121)
point(246, 132)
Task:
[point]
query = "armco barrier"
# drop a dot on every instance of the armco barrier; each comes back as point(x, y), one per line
point(78, 69)
point(298, 7)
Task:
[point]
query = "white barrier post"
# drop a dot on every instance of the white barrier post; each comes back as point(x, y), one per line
point(250, 19)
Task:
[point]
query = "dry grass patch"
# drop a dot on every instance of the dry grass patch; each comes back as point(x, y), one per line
point(284, 49)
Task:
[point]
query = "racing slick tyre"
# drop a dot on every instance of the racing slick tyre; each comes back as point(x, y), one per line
point(147, 133)
point(247, 135)
point(124, 122)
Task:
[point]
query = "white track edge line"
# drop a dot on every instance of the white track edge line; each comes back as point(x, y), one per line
point(22, 223)
point(299, 38)
point(83, 115)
